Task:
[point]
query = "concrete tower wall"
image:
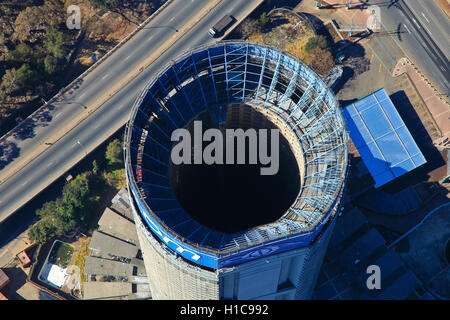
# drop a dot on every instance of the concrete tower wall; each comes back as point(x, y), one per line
point(185, 258)
point(285, 276)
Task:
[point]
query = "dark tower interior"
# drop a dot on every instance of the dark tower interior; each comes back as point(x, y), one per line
point(231, 198)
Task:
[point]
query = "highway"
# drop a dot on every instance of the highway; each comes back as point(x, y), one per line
point(66, 152)
point(423, 34)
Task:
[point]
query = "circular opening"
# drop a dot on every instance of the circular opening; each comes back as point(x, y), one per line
point(231, 198)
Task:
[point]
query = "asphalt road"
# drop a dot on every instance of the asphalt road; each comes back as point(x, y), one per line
point(29, 181)
point(422, 32)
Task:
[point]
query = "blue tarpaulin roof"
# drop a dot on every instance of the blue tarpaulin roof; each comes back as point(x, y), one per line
point(381, 137)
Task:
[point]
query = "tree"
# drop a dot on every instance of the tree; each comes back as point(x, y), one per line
point(50, 64)
point(25, 76)
point(22, 53)
point(114, 152)
point(264, 21)
point(28, 20)
point(42, 231)
point(116, 178)
point(54, 42)
point(95, 168)
point(75, 193)
point(9, 81)
point(14, 79)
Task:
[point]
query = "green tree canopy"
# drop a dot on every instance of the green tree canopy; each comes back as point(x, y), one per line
point(264, 20)
point(50, 64)
point(9, 82)
point(54, 42)
point(27, 21)
point(42, 231)
point(22, 53)
point(14, 79)
point(116, 178)
point(114, 152)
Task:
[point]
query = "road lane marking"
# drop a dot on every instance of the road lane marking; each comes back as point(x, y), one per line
point(407, 28)
point(371, 59)
point(425, 17)
point(104, 76)
point(171, 19)
point(127, 57)
point(379, 69)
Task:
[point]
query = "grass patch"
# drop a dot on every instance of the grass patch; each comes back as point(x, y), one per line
point(61, 254)
point(80, 259)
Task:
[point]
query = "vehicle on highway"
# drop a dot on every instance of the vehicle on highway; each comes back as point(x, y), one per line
point(221, 26)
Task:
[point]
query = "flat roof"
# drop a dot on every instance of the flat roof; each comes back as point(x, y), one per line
point(100, 266)
point(382, 138)
point(110, 245)
point(105, 290)
point(116, 225)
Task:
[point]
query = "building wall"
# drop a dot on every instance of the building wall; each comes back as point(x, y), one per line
point(170, 277)
point(283, 276)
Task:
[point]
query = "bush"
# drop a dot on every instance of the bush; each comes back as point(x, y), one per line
point(320, 42)
point(114, 153)
point(264, 21)
point(321, 60)
point(116, 178)
point(54, 42)
point(50, 64)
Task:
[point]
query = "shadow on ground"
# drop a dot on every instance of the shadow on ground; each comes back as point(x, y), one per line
point(8, 152)
point(17, 279)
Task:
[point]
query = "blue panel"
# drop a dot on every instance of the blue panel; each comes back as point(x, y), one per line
point(381, 137)
point(375, 122)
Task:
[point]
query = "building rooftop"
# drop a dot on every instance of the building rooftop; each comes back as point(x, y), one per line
point(382, 138)
point(116, 225)
point(99, 266)
point(109, 245)
point(121, 204)
point(106, 290)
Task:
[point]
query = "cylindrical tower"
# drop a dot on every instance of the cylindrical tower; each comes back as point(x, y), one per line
point(224, 231)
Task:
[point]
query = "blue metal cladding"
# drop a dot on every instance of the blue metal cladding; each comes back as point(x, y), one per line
point(207, 79)
point(217, 260)
point(381, 137)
